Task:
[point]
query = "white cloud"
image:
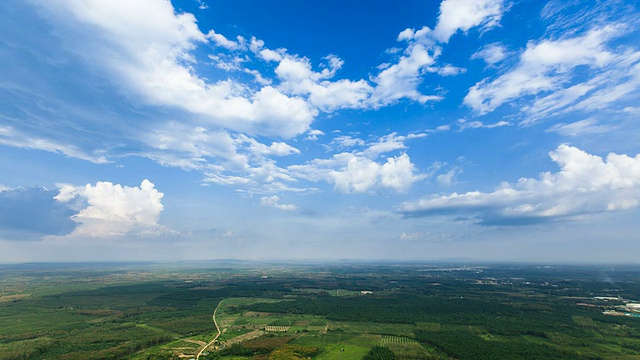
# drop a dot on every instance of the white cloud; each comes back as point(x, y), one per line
point(275, 149)
point(632, 110)
point(268, 172)
point(401, 80)
point(346, 141)
point(465, 14)
point(149, 48)
point(582, 127)
point(384, 144)
point(152, 52)
point(257, 47)
point(298, 78)
point(464, 124)
point(270, 55)
point(491, 53)
point(274, 202)
point(12, 137)
point(221, 40)
point(398, 173)
point(446, 179)
point(239, 161)
point(228, 63)
point(351, 173)
point(114, 210)
point(313, 134)
point(281, 149)
point(193, 148)
point(450, 70)
point(202, 5)
point(586, 184)
point(358, 175)
point(258, 77)
point(410, 236)
point(547, 67)
point(223, 179)
point(66, 193)
point(360, 171)
point(416, 135)
point(622, 84)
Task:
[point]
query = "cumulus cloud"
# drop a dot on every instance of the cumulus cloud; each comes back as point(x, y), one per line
point(361, 174)
point(106, 209)
point(351, 173)
point(274, 202)
point(585, 185)
point(361, 169)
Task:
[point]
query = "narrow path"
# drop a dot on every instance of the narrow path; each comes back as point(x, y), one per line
point(217, 328)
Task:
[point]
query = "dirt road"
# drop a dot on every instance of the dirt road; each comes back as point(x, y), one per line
point(217, 328)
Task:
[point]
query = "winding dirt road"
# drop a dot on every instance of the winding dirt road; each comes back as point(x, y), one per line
point(216, 337)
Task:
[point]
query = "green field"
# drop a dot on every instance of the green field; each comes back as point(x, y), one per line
point(148, 312)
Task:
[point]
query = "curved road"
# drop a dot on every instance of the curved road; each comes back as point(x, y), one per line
point(217, 328)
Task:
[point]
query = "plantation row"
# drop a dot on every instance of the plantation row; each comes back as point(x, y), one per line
point(385, 340)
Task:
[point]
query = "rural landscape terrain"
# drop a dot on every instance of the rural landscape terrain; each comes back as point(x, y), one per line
point(319, 180)
point(269, 310)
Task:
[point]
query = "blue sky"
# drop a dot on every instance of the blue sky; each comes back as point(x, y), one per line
point(462, 129)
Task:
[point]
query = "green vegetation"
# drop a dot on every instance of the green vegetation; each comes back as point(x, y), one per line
point(409, 311)
point(379, 353)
